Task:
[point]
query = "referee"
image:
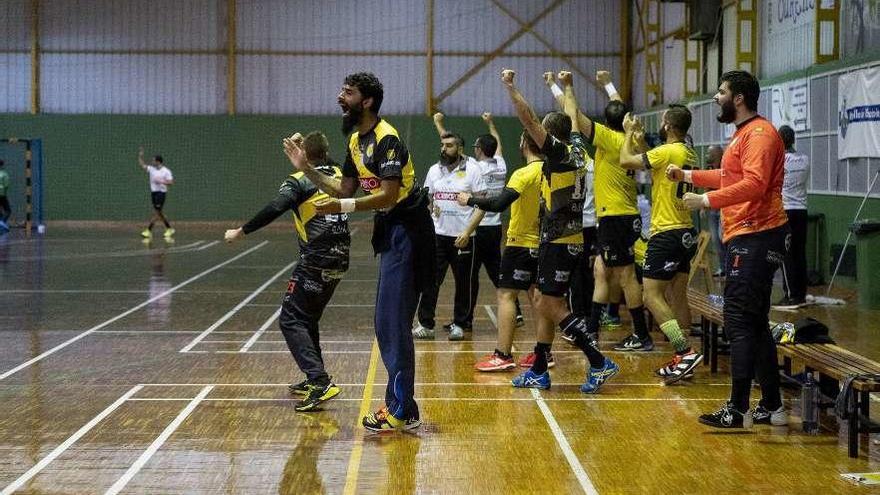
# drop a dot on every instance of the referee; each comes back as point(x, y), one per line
point(748, 191)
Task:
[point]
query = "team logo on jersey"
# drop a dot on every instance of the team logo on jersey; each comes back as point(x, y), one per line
point(445, 196)
point(369, 152)
point(687, 240)
point(575, 249)
point(637, 225)
point(390, 154)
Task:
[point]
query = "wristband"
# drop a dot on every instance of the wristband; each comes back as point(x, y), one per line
point(688, 177)
point(346, 205)
point(556, 90)
point(610, 89)
point(705, 198)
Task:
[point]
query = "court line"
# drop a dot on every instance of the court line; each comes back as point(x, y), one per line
point(157, 443)
point(424, 384)
point(354, 462)
point(128, 312)
point(237, 307)
point(434, 351)
point(448, 399)
point(206, 246)
point(573, 461)
point(492, 316)
point(115, 254)
point(247, 345)
point(57, 451)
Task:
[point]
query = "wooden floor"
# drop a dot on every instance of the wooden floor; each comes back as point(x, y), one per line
point(160, 369)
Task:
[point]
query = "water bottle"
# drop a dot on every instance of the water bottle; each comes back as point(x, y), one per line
point(716, 300)
point(810, 405)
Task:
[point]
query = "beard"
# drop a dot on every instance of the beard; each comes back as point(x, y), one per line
point(448, 160)
point(727, 114)
point(662, 134)
point(351, 118)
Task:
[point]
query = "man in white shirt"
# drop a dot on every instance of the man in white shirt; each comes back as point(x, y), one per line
point(160, 179)
point(794, 200)
point(454, 173)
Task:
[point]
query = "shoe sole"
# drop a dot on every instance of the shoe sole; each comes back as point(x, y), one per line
point(531, 386)
point(669, 380)
point(455, 338)
point(405, 427)
point(744, 426)
point(314, 405)
point(502, 367)
point(630, 349)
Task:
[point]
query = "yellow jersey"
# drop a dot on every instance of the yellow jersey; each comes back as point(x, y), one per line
point(522, 230)
point(615, 186)
point(377, 155)
point(668, 211)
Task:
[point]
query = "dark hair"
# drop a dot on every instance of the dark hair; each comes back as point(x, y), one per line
point(615, 111)
point(451, 135)
point(679, 117)
point(487, 144)
point(316, 146)
point(159, 159)
point(369, 86)
point(787, 135)
point(558, 125)
point(741, 82)
point(530, 143)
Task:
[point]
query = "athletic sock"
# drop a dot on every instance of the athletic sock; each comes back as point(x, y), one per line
point(541, 352)
point(640, 328)
point(614, 310)
point(577, 328)
point(676, 336)
point(502, 355)
point(595, 317)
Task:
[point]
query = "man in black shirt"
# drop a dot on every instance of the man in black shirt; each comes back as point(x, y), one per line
point(324, 241)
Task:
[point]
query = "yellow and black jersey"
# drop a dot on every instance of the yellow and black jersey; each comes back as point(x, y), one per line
point(522, 230)
point(324, 240)
point(563, 190)
point(378, 155)
point(615, 186)
point(668, 211)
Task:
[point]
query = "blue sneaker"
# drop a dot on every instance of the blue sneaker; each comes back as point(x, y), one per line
point(597, 376)
point(527, 379)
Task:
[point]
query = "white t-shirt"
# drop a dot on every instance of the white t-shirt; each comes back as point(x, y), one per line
point(495, 176)
point(443, 185)
point(589, 196)
point(794, 182)
point(157, 178)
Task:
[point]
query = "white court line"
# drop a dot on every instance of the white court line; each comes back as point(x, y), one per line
point(491, 315)
point(128, 312)
point(570, 456)
point(237, 307)
point(421, 384)
point(57, 451)
point(428, 351)
point(157, 443)
point(206, 246)
point(247, 345)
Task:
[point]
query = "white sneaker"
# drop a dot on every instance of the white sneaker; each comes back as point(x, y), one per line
point(456, 332)
point(420, 332)
point(763, 416)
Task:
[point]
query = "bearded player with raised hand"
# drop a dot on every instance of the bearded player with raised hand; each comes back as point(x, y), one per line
point(403, 235)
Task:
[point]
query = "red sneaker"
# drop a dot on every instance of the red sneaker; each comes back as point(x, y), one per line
point(494, 362)
point(529, 359)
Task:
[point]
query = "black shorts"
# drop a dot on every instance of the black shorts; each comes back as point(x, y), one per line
point(158, 199)
point(519, 268)
point(615, 239)
point(669, 253)
point(556, 263)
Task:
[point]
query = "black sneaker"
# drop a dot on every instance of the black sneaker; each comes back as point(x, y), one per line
point(317, 396)
point(727, 417)
point(764, 416)
point(382, 420)
point(682, 365)
point(634, 343)
point(301, 388)
point(789, 303)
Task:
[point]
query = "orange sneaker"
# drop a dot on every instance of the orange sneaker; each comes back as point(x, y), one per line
point(529, 359)
point(494, 362)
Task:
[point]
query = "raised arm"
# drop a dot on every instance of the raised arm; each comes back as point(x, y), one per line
point(337, 188)
point(141, 161)
point(487, 118)
point(438, 124)
point(569, 101)
point(604, 79)
point(524, 111)
point(630, 158)
point(558, 95)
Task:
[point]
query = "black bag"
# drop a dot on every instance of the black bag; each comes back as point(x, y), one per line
point(811, 331)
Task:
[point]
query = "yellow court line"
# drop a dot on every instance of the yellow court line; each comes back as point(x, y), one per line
point(354, 462)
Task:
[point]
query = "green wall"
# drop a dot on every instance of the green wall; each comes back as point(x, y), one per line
point(225, 168)
point(839, 212)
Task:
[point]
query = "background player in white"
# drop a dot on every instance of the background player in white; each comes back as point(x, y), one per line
point(160, 179)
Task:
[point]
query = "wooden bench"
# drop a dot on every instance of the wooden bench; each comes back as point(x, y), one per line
point(711, 321)
point(837, 364)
